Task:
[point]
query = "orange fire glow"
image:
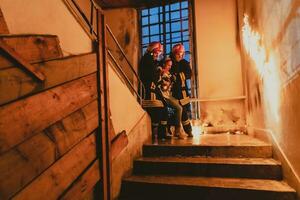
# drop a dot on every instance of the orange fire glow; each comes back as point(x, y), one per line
point(266, 63)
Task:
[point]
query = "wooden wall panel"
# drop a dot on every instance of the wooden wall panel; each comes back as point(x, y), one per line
point(26, 161)
point(47, 129)
point(6, 61)
point(21, 62)
point(16, 83)
point(85, 184)
point(52, 183)
point(39, 145)
point(31, 115)
point(32, 48)
point(22, 164)
point(118, 144)
point(3, 25)
point(67, 132)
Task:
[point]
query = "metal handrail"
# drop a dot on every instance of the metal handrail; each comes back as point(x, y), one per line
point(124, 75)
point(142, 88)
point(95, 37)
point(121, 49)
point(83, 19)
point(90, 24)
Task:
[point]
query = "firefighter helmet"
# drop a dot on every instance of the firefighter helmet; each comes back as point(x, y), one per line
point(178, 48)
point(155, 47)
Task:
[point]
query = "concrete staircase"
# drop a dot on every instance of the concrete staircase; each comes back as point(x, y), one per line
point(210, 167)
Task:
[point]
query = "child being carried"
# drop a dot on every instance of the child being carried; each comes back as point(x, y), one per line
point(165, 83)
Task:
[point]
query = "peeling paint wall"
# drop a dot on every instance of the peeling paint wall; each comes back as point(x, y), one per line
point(274, 85)
point(223, 113)
point(219, 62)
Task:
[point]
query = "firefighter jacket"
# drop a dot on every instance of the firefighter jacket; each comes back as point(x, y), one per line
point(182, 71)
point(149, 75)
point(148, 72)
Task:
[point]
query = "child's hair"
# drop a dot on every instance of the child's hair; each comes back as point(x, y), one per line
point(166, 60)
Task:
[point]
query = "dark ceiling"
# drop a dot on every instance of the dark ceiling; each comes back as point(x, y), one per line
point(131, 3)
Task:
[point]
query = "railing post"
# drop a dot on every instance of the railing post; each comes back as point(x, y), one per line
point(140, 84)
point(103, 147)
point(92, 18)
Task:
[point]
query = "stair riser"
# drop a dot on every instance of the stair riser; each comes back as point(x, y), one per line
point(218, 151)
point(137, 190)
point(209, 170)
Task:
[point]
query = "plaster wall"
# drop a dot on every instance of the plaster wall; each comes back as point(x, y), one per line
point(219, 62)
point(125, 110)
point(218, 49)
point(46, 17)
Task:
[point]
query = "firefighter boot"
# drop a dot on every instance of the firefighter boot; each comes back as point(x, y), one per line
point(179, 132)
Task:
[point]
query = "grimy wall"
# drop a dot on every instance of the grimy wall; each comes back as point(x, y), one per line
point(219, 63)
point(271, 51)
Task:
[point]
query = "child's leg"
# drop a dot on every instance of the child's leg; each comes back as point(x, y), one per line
point(174, 103)
point(179, 132)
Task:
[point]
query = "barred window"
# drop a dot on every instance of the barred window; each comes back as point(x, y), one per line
point(168, 24)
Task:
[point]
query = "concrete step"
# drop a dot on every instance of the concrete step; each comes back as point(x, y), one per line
point(258, 168)
point(183, 187)
point(241, 151)
point(31, 47)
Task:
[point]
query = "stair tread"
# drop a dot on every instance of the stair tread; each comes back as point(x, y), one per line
point(214, 182)
point(208, 140)
point(210, 160)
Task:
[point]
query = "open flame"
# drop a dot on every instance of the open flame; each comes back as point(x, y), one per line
point(266, 65)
